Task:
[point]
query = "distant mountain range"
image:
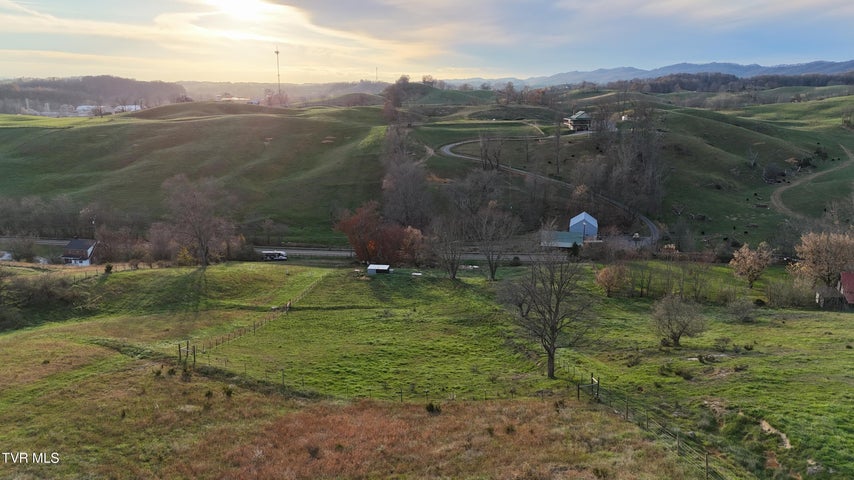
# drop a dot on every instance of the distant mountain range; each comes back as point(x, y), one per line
point(605, 75)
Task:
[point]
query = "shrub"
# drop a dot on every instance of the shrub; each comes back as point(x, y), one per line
point(108, 268)
point(434, 408)
point(742, 310)
point(790, 293)
point(44, 290)
point(674, 318)
point(722, 343)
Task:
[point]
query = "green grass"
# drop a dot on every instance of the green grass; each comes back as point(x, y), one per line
point(425, 338)
point(313, 156)
point(796, 377)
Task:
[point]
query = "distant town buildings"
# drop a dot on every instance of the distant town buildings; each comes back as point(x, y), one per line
point(77, 111)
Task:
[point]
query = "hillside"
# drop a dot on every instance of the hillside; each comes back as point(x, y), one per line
point(15, 95)
point(338, 386)
point(293, 166)
point(316, 392)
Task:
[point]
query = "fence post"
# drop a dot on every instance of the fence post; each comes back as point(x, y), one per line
point(578, 391)
point(627, 406)
point(707, 465)
point(194, 357)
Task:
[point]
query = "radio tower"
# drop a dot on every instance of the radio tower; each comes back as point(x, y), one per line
point(278, 75)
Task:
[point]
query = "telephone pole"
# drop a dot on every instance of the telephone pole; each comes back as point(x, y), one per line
point(278, 75)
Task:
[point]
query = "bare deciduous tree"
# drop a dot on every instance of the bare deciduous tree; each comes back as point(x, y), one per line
point(406, 196)
point(823, 256)
point(552, 306)
point(612, 278)
point(447, 236)
point(492, 228)
point(198, 216)
point(473, 193)
point(749, 264)
point(490, 151)
point(674, 318)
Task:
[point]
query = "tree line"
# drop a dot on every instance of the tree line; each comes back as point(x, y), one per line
point(89, 90)
point(723, 82)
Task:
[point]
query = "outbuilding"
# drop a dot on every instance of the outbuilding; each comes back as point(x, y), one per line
point(585, 224)
point(374, 269)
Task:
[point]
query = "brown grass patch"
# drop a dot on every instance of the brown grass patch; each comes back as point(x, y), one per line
point(496, 439)
point(26, 360)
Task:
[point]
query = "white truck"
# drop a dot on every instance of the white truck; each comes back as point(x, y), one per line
point(274, 255)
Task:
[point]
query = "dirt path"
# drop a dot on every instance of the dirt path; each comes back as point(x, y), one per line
point(777, 196)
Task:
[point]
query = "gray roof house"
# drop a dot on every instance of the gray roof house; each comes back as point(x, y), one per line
point(79, 252)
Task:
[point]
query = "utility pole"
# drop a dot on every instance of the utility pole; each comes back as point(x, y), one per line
point(278, 75)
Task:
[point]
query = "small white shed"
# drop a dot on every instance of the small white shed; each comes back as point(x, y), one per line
point(374, 269)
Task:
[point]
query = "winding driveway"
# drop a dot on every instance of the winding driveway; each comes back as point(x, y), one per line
point(777, 196)
point(654, 232)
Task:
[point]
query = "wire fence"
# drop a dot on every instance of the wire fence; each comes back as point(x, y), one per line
point(692, 454)
point(187, 352)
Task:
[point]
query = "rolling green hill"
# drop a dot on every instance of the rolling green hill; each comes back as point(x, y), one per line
point(293, 166)
point(300, 166)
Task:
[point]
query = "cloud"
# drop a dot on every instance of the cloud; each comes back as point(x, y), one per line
point(478, 37)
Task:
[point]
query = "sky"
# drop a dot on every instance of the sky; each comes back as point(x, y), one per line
point(349, 40)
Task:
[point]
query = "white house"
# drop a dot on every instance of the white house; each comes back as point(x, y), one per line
point(79, 252)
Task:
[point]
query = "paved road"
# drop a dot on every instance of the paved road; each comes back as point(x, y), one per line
point(654, 232)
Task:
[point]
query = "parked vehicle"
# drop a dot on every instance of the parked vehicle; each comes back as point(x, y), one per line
point(274, 255)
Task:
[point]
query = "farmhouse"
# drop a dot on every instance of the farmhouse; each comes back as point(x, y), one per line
point(79, 252)
point(578, 122)
point(585, 224)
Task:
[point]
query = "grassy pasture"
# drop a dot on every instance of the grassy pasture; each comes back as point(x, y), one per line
point(128, 414)
point(296, 167)
point(795, 375)
point(426, 338)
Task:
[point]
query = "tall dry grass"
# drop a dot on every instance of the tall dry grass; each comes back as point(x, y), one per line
point(493, 439)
